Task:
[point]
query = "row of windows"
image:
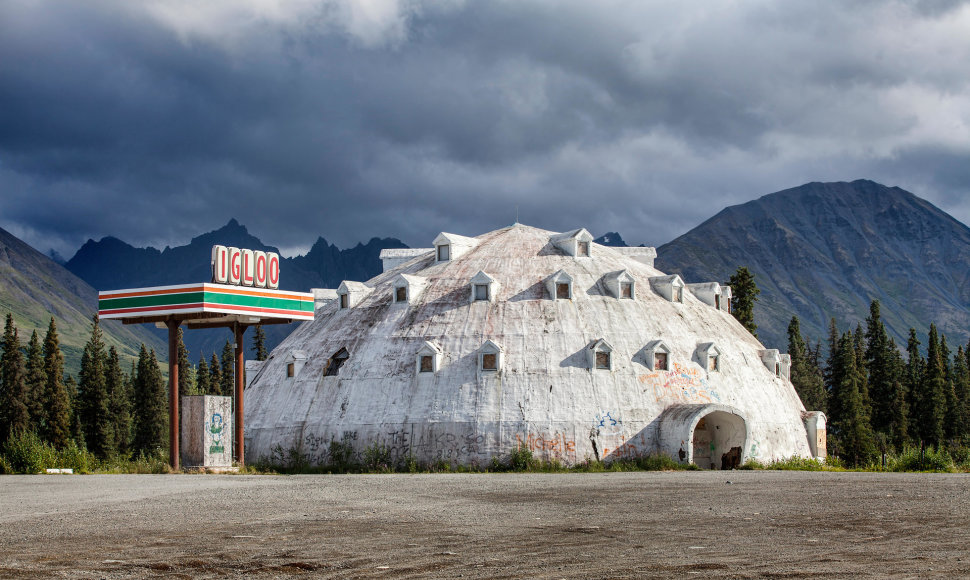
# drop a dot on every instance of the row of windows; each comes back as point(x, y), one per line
point(490, 358)
point(483, 288)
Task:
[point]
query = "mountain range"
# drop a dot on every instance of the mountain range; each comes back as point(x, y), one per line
point(35, 288)
point(826, 250)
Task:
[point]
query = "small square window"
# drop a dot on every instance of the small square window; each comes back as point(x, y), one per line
point(712, 363)
point(290, 370)
point(343, 301)
point(582, 249)
point(660, 361)
point(717, 301)
point(626, 290)
point(777, 370)
point(481, 291)
point(489, 362)
point(401, 294)
point(427, 364)
point(444, 253)
point(562, 291)
point(603, 360)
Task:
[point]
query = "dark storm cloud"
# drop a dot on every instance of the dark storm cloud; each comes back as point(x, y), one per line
point(383, 118)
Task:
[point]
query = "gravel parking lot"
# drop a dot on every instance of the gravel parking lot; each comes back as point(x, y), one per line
point(611, 525)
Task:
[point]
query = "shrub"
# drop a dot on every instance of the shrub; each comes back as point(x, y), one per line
point(795, 463)
point(377, 458)
point(26, 453)
point(927, 459)
point(520, 459)
point(342, 458)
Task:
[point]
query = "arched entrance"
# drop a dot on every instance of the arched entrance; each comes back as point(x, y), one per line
point(718, 441)
point(711, 436)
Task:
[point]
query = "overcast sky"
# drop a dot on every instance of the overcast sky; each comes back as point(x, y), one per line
point(156, 121)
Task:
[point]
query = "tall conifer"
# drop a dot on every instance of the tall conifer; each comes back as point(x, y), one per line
point(14, 413)
point(202, 377)
point(745, 293)
point(119, 402)
point(93, 395)
point(56, 424)
point(150, 403)
point(35, 380)
point(227, 386)
point(805, 376)
point(852, 429)
point(215, 376)
point(930, 396)
point(185, 383)
point(259, 343)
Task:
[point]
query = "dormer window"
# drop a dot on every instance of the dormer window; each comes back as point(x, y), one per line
point(407, 288)
point(707, 292)
point(336, 361)
point(490, 357)
point(352, 293)
point(621, 284)
point(294, 363)
point(559, 286)
point(428, 358)
point(777, 364)
point(483, 288)
point(709, 356)
point(576, 243)
point(600, 355)
point(670, 287)
point(481, 291)
point(657, 355)
point(450, 247)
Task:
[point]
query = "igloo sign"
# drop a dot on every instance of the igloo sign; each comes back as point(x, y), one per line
point(242, 267)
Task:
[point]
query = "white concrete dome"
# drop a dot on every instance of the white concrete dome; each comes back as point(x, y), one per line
point(523, 336)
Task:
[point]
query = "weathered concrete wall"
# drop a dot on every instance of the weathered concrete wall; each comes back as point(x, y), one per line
point(546, 396)
point(206, 431)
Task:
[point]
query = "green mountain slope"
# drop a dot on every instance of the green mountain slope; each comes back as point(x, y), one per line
point(33, 288)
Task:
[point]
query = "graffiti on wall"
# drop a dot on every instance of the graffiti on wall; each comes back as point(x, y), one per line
point(556, 445)
point(685, 384)
point(215, 426)
point(608, 423)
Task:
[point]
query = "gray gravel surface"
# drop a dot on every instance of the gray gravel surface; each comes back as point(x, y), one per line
point(612, 525)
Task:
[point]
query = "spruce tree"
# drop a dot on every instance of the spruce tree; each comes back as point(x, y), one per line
point(915, 369)
point(93, 396)
point(35, 380)
point(150, 402)
point(897, 427)
point(77, 430)
point(859, 343)
point(227, 386)
point(202, 377)
point(930, 396)
point(878, 364)
point(951, 410)
point(259, 343)
point(833, 344)
point(805, 376)
point(215, 376)
point(119, 403)
point(961, 391)
point(853, 431)
point(745, 294)
point(185, 385)
point(56, 423)
point(14, 413)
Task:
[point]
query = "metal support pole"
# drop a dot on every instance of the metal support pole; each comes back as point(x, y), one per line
point(238, 447)
point(173, 393)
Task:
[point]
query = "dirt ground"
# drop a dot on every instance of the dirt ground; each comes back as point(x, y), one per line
point(613, 525)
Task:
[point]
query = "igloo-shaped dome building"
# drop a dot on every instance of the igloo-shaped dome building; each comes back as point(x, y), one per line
point(525, 337)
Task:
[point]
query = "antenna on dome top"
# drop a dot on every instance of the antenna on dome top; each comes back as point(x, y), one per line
point(516, 214)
